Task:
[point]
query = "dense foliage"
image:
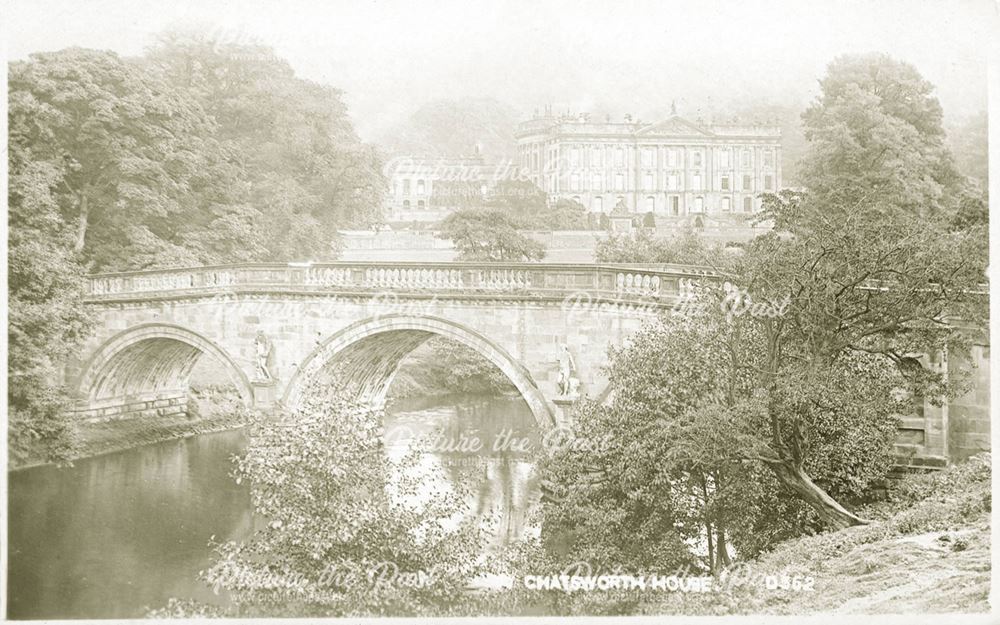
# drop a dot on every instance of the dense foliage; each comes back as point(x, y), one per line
point(45, 317)
point(460, 127)
point(489, 234)
point(528, 205)
point(200, 152)
point(305, 172)
point(442, 366)
point(347, 532)
point(641, 246)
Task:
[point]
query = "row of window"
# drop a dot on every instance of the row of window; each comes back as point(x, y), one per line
point(647, 154)
point(673, 204)
point(421, 188)
point(673, 182)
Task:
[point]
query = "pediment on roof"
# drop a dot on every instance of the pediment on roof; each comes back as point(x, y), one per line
point(675, 126)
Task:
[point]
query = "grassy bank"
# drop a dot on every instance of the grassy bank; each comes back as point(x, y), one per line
point(927, 550)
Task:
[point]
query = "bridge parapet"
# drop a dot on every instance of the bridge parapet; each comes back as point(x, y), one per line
point(660, 284)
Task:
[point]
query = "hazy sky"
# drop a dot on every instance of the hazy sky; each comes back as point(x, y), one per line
point(391, 56)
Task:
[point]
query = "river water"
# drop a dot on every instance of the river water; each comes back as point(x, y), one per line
point(117, 534)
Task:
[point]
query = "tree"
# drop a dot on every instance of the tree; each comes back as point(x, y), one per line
point(46, 318)
point(441, 365)
point(130, 153)
point(307, 172)
point(685, 247)
point(869, 259)
point(529, 206)
point(489, 234)
point(875, 134)
point(969, 142)
point(345, 528)
point(463, 126)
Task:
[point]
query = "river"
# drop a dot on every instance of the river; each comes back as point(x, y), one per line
point(116, 534)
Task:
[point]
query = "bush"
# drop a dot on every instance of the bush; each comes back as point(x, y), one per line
point(336, 513)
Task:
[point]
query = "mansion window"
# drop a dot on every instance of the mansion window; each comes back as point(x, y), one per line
point(768, 158)
point(597, 204)
point(619, 182)
point(619, 157)
point(672, 182)
point(724, 183)
point(406, 204)
point(768, 183)
point(696, 182)
point(747, 184)
point(699, 204)
point(675, 205)
point(420, 204)
point(406, 187)
point(647, 182)
point(647, 157)
point(726, 205)
point(595, 182)
point(748, 204)
point(596, 157)
point(696, 159)
point(745, 159)
point(574, 182)
point(574, 157)
point(650, 204)
point(671, 158)
point(724, 161)
point(420, 187)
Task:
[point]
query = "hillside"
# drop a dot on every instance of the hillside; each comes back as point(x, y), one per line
point(456, 128)
point(926, 551)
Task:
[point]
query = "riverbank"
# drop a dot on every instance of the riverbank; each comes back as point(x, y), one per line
point(926, 551)
point(211, 409)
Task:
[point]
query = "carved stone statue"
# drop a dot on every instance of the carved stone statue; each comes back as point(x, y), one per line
point(566, 369)
point(262, 347)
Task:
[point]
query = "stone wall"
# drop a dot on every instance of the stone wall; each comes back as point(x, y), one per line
point(969, 414)
point(170, 404)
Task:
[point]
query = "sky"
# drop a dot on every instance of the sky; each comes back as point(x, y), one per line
point(391, 56)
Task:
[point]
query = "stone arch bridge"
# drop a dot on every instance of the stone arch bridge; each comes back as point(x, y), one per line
point(278, 327)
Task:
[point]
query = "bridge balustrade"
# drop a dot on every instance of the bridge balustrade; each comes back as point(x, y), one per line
point(614, 281)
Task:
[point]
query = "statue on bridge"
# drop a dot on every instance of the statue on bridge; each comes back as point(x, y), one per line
point(568, 384)
point(262, 346)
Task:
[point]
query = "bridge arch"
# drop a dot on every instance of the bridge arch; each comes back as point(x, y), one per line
point(368, 353)
point(150, 359)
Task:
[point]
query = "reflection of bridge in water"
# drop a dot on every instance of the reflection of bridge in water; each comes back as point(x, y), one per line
point(279, 328)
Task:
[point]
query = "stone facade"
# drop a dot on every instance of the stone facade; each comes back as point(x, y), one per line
point(428, 189)
point(674, 167)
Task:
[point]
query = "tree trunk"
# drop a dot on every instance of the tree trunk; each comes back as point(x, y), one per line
point(711, 551)
point(721, 551)
point(832, 513)
point(81, 225)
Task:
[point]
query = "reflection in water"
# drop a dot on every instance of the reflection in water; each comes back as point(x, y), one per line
point(114, 534)
point(485, 443)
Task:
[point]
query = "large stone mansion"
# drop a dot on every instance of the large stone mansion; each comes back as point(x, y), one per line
point(674, 167)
